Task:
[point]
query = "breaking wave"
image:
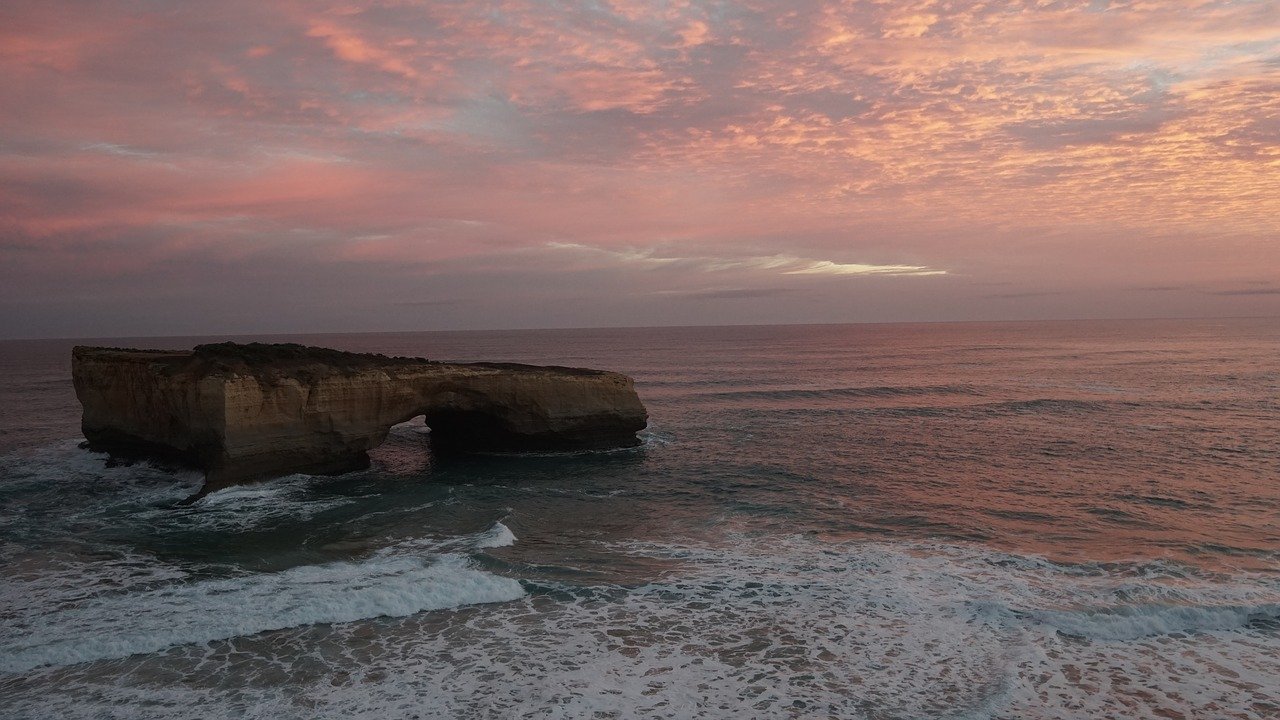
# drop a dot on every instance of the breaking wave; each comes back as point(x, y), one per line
point(778, 627)
point(200, 611)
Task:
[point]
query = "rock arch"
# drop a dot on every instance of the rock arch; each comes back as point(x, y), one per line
point(242, 412)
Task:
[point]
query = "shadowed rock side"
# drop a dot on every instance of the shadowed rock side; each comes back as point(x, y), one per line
point(242, 412)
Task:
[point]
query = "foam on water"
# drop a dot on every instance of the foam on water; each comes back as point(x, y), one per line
point(247, 496)
point(68, 469)
point(73, 487)
point(1140, 621)
point(37, 580)
point(788, 627)
point(495, 537)
point(118, 625)
point(244, 507)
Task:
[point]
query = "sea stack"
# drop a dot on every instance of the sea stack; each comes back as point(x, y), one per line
point(244, 412)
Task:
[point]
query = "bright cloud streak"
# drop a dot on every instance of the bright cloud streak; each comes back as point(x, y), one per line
point(628, 162)
point(777, 264)
point(826, 267)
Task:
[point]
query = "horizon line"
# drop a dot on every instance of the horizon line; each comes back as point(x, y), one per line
point(644, 327)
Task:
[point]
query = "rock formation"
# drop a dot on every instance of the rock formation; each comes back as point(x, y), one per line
point(242, 412)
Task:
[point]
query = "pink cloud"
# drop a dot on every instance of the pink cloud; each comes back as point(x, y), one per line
point(350, 47)
point(1004, 141)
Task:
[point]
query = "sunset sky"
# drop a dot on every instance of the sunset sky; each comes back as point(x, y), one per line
point(248, 166)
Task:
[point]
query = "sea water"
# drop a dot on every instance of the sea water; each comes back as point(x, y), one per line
point(1036, 520)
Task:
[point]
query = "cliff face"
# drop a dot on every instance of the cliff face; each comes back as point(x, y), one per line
point(244, 412)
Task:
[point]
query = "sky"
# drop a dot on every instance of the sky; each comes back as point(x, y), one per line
point(246, 166)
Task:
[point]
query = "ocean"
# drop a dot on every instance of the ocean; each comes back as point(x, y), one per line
point(972, 520)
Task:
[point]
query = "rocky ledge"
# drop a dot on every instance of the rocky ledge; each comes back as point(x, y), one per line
point(242, 412)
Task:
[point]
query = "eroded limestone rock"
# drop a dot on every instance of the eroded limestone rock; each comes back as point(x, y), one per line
point(242, 412)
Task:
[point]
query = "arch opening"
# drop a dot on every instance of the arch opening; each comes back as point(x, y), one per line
point(406, 450)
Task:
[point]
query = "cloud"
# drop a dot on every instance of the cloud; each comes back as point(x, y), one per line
point(351, 47)
point(1023, 295)
point(120, 150)
point(778, 264)
point(1250, 291)
point(826, 267)
point(426, 303)
point(909, 26)
point(664, 146)
point(736, 293)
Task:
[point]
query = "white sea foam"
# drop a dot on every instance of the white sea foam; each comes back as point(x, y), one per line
point(153, 492)
point(66, 467)
point(242, 496)
point(1139, 621)
point(790, 627)
point(244, 507)
point(116, 626)
point(36, 580)
point(495, 537)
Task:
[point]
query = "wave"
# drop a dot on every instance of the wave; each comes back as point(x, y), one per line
point(1050, 405)
point(68, 469)
point(760, 626)
point(386, 585)
point(1037, 406)
point(495, 537)
point(1132, 622)
point(885, 391)
point(245, 507)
